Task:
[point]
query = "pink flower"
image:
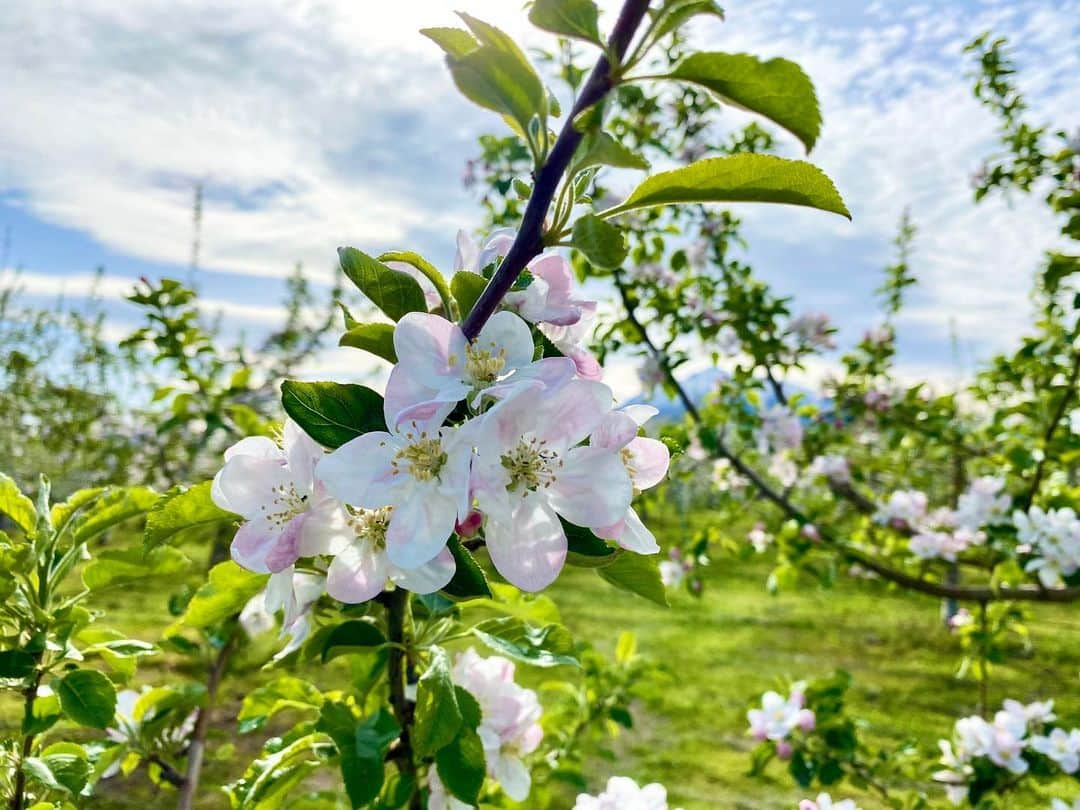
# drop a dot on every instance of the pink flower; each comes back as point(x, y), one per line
point(646, 463)
point(423, 473)
point(570, 340)
point(274, 489)
point(529, 470)
point(437, 367)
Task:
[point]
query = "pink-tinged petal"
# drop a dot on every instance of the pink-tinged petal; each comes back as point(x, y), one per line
point(326, 530)
point(529, 551)
point(252, 544)
point(303, 453)
point(512, 775)
point(409, 402)
point(286, 550)
point(636, 536)
point(497, 246)
point(467, 253)
point(506, 332)
point(431, 348)
point(592, 488)
point(246, 483)
point(586, 364)
point(454, 476)
point(551, 372)
point(427, 578)
point(419, 527)
point(359, 472)
point(255, 446)
point(648, 460)
point(640, 413)
point(612, 532)
point(556, 306)
point(616, 431)
point(358, 573)
point(568, 414)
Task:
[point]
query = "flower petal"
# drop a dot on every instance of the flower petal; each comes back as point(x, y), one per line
point(530, 551)
point(570, 413)
point(430, 348)
point(506, 332)
point(420, 526)
point(286, 550)
point(648, 462)
point(359, 472)
point(358, 573)
point(252, 543)
point(246, 484)
point(512, 775)
point(409, 400)
point(616, 431)
point(256, 446)
point(636, 536)
point(427, 578)
point(592, 488)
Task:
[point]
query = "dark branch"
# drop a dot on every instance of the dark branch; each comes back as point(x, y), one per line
point(1059, 414)
point(529, 241)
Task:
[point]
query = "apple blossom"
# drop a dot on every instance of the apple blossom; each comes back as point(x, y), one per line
point(930, 545)
point(983, 503)
point(438, 367)
point(646, 462)
point(1054, 538)
point(529, 471)
point(509, 726)
point(905, 508)
point(826, 802)
point(623, 793)
point(1062, 804)
point(651, 374)
point(725, 478)
point(1062, 746)
point(832, 467)
point(813, 329)
point(421, 471)
point(294, 593)
point(275, 490)
point(759, 538)
point(779, 716)
point(570, 340)
point(128, 721)
point(781, 429)
point(439, 798)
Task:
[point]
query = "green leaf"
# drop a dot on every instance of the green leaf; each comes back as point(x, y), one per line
point(134, 565)
point(453, 41)
point(16, 505)
point(495, 74)
point(467, 287)
point(333, 413)
point(737, 178)
point(114, 506)
point(469, 580)
point(87, 697)
point(361, 748)
point(286, 692)
point(394, 292)
point(69, 766)
point(777, 89)
point(569, 18)
point(181, 513)
point(377, 338)
point(548, 646)
point(462, 766)
point(600, 149)
point(438, 718)
point(585, 549)
point(16, 664)
point(637, 573)
point(602, 243)
point(61, 513)
point(350, 636)
point(673, 14)
point(228, 589)
point(430, 272)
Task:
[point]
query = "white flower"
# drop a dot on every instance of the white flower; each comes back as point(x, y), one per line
point(1074, 421)
point(904, 507)
point(826, 802)
point(672, 573)
point(1061, 746)
point(725, 478)
point(929, 545)
point(833, 467)
point(781, 429)
point(779, 716)
point(623, 793)
point(421, 471)
point(651, 374)
point(274, 489)
point(814, 329)
point(646, 462)
point(510, 714)
point(727, 341)
point(530, 471)
point(1062, 804)
point(1054, 539)
point(759, 538)
point(439, 798)
point(983, 503)
point(571, 341)
point(295, 594)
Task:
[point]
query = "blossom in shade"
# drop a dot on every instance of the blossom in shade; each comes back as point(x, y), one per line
point(623, 793)
point(529, 471)
point(294, 593)
point(1062, 746)
point(1053, 538)
point(275, 490)
point(826, 802)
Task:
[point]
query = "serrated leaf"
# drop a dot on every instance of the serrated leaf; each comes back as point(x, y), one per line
point(602, 243)
point(394, 292)
point(69, 765)
point(466, 287)
point(376, 338)
point(16, 505)
point(361, 746)
point(87, 697)
point(62, 513)
point(569, 18)
point(453, 41)
point(122, 566)
point(333, 413)
point(113, 506)
point(438, 717)
point(548, 646)
point(738, 178)
point(462, 766)
point(286, 692)
point(777, 89)
point(636, 573)
point(601, 149)
point(675, 13)
point(423, 266)
point(469, 580)
point(227, 590)
point(180, 513)
point(349, 637)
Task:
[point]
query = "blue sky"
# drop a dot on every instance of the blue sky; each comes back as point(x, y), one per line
point(314, 124)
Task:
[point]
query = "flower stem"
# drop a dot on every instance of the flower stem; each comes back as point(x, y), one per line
point(529, 241)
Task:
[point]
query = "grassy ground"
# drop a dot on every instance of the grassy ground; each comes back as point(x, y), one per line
point(717, 654)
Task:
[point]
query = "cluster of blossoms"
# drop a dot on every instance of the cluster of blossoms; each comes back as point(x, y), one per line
point(826, 802)
point(509, 726)
point(833, 468)
point(759, 538)
point(674, 569)
point(623, 793)
point(1017, 733)
point(814, 330)
point(781, 429)
point(533, 443)
point(779, 717)
point(726, 478)
point(1052, 538)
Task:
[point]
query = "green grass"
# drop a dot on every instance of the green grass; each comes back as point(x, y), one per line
point(716, 655)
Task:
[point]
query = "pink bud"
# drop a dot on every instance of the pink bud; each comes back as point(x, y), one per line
point(809, 531)
point(807, 720)
point(784, 749)
point(759, 734)
point(470, 526)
